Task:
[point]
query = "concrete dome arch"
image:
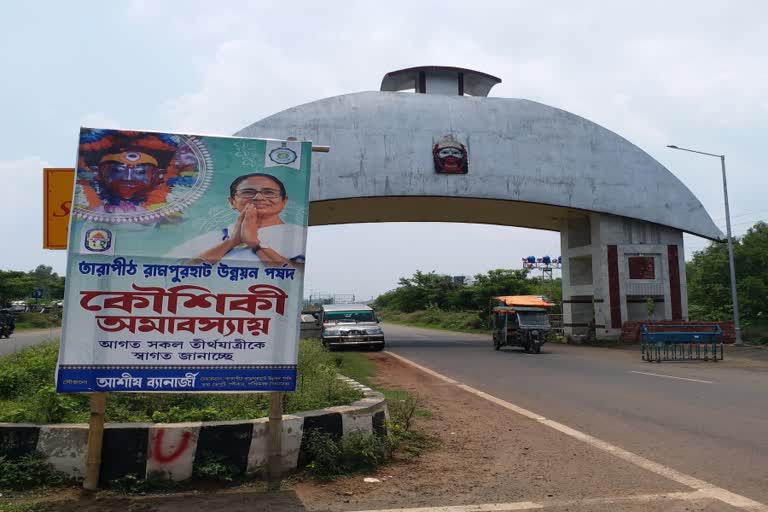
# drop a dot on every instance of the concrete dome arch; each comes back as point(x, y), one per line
point(529, 164)
point(621, 214)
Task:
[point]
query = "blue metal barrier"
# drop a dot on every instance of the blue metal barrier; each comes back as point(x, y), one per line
point(674, 344)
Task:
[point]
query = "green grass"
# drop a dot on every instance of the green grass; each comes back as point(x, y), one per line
point(27, 393)
point(19, 507)
point(28, 321)
point(355, 365)
point(472, 322)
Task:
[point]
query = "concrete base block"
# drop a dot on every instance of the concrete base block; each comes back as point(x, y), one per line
point(292, 433)
point(18, 439)
point(352, 421)
point(65, 447)
point(171, 450)
point(124, 451)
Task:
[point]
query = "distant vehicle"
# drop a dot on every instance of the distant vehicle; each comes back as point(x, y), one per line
point(18, 306)
point(7, 323)
point(344, 325)
point(520, 321)
point(309, 324)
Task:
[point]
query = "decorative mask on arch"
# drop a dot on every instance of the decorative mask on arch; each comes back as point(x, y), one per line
point(450, 156)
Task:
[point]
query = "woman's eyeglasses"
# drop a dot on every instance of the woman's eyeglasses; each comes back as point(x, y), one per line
point(250, 193)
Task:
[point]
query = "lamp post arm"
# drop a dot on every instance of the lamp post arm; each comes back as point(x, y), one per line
point(695, 151)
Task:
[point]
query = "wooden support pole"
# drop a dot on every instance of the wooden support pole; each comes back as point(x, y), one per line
point(275, 440)
point(95, 439)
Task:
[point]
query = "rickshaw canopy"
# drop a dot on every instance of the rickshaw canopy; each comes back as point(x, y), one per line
point(523, 300)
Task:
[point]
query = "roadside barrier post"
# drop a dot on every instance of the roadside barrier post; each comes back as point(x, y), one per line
point(275, 438)
point(95, 439)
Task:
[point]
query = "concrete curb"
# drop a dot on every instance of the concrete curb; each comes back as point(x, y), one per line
point(175, 450)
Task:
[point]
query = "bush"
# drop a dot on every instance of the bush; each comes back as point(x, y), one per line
point(332, 457)
point(37, 320)
point(28, 472)
point(358, 451)
point(471, 321)
point(24, 372)
point(757, 334)
point(214, 468)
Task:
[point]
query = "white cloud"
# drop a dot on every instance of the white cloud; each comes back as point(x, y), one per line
point(21, 208)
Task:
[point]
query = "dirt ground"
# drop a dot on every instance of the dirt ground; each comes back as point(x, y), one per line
point(483, 454)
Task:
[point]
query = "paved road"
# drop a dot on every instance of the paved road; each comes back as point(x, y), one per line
point(713, 426)
point(22, 339)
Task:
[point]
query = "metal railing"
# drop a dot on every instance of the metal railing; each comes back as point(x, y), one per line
point(665, 342)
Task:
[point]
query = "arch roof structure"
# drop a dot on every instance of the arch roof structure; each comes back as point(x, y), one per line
point(530, 164)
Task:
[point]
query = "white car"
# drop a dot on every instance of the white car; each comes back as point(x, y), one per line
point(18, 306)
point(346, 325)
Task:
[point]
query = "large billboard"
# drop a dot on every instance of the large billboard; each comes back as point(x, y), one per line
point(185, 263)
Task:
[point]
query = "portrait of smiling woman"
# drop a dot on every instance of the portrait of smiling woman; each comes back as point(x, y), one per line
point(258, 233)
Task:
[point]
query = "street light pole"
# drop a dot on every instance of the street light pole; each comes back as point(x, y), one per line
point(734, 296)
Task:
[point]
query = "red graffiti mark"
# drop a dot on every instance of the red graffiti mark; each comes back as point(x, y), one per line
point(157, 447)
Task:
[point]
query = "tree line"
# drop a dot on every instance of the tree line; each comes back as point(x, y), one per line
point(426, 290)
point(709, 282)
point(19, 285)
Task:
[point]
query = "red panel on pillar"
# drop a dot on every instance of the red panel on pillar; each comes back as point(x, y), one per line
point(674, 282)
point(613, 286)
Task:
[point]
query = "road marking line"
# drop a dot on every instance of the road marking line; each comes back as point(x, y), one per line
point(672, 377)
point(529, 505)
point(706, 488)
point(488, 507)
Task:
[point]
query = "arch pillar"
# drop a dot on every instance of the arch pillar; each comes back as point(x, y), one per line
point(617, 269)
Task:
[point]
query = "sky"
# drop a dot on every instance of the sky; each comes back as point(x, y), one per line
point(689, 73)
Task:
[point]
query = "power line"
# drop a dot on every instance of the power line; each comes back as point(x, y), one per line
point(742, 214)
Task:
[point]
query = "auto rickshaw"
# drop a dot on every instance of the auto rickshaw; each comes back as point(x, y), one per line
point(520, 321)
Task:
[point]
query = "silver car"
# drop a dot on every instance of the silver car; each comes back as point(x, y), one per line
point(350, 325)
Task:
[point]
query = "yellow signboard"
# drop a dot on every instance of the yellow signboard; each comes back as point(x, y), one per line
point(57, 200)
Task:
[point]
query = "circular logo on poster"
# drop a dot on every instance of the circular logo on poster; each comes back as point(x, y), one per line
point(139, 177)
point(283, 155)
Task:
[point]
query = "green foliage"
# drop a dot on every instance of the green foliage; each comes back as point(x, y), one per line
point(16, 285)
point(213, 468)
point(650, 307)
point(23, 372)
point(27, 393)
point(401, 414)
point(51, 407)
point(360, 451)
point(29, 472)
point(19, 507)
point(709, 285)
point(436, 293)
point(355, 365)
point(401, 436)
point(452, 320)
point(37, 320)
point(317, 384)
point(357, 451)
